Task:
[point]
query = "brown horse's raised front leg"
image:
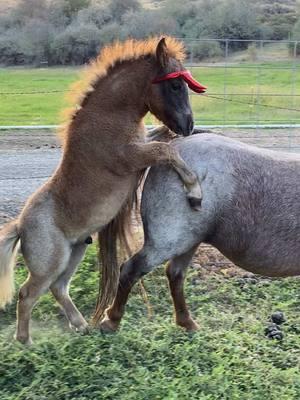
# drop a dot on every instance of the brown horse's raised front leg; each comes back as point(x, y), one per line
point(144, 155)
point(161, 134)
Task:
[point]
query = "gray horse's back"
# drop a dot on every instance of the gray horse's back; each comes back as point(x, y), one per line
point(250, 209)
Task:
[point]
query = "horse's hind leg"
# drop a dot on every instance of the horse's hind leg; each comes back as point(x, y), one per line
point(176, 271)
point(46, 256)
point(132, 270)
point(60, 290)
point(29, 293)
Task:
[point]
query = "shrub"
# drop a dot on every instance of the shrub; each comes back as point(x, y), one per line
point(206, 49)
point(75, 45)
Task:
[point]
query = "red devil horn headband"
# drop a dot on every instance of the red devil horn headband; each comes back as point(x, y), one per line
point(187, 76)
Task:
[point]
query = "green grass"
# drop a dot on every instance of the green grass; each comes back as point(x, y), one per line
point(33, 109)
point(244, 78)
point(246, 81)
point(228, 359)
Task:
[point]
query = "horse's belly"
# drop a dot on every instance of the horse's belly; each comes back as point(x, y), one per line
point(262, 239)
point(94, 215)
point(282, 262)
point(106, 210)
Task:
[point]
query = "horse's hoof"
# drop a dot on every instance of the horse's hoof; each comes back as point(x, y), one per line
point(192, 326)
point(189, 325)
point(195, 203)
point(81, 329)
point(27, 341)
point(108, 326)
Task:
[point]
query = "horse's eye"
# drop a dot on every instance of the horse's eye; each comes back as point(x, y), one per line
point(175, 85)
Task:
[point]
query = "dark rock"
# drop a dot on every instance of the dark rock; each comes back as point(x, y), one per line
point(271, 328)
point(278, 317)
point(278, 335)
point(273, 331)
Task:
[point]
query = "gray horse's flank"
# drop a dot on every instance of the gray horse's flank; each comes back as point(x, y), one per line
point(250, 212)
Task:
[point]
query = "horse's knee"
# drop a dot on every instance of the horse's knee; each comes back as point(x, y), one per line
point(57, 290)
point(26, 292)
point(25, 298)
point(139, 265)
point(23, 293)
point(146, 268)
point(174, 272)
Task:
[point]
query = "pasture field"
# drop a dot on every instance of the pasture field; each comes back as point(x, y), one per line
point(150, 358)
point(36, 96)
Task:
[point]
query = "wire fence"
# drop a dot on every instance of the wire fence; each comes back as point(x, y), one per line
point(252, 84)
point(257, 81)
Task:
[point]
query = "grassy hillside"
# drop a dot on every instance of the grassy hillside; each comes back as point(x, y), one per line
point(36, 96)
point(228, 359)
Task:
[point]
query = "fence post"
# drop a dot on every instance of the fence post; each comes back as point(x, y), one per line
point(192, 54)
point(258, 81)
point(225, 83)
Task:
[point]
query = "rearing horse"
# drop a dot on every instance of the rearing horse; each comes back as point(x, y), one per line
point(104, 153)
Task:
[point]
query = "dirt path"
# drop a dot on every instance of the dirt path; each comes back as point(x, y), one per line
point(27, 159)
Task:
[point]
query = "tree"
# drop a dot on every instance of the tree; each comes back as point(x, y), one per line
point(235, 19)
point(278, 16)
point(56, 14)
point(75, 45)
point(35, 41)
point(11, 52)
point(119, 8)
point(30, 9)
point(141, 24)
point(71, 31)
point(71, 7)
point(97, 13)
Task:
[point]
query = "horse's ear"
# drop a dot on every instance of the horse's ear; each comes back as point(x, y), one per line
point(162, 53)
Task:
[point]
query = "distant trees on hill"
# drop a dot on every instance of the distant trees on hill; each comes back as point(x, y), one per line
point(277, 17)
point(73, 31)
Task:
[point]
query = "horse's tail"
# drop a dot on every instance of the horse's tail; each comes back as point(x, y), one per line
point(114, 239)
point(9, 238)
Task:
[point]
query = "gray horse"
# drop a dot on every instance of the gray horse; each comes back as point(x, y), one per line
point(250, 212)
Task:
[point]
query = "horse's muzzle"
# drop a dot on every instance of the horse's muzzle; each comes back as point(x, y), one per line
point(188, 124)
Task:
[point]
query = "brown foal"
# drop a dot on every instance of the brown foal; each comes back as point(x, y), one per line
point(104, 152)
